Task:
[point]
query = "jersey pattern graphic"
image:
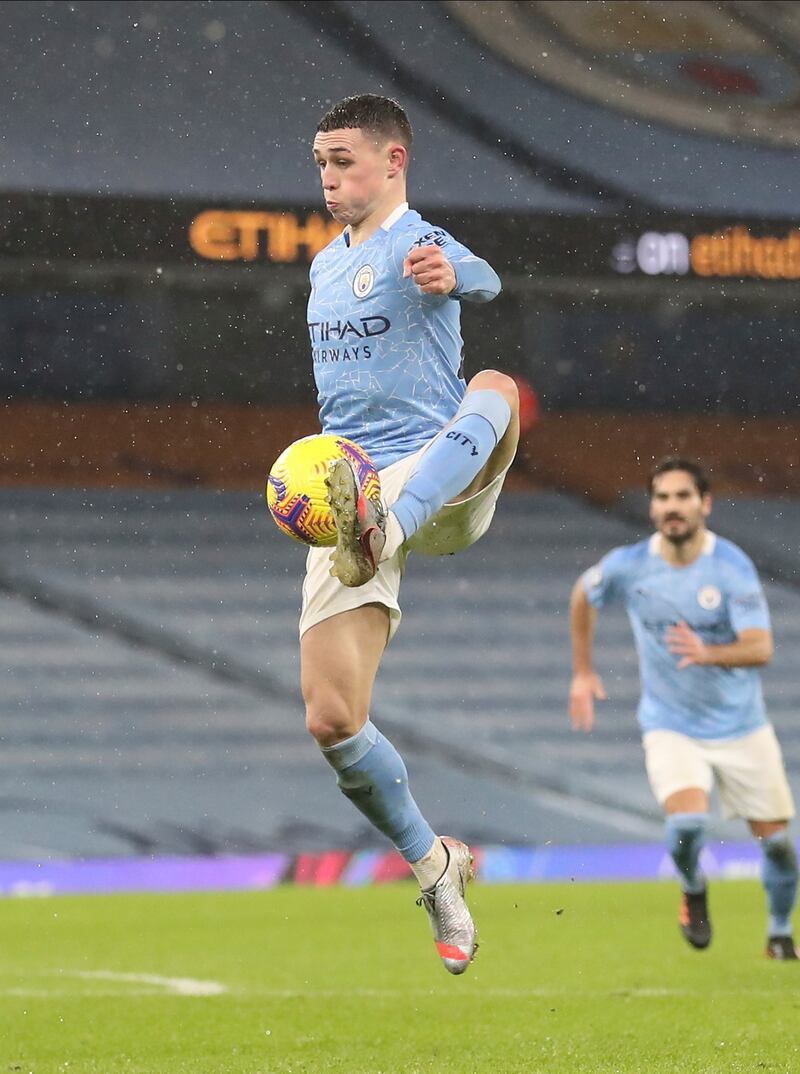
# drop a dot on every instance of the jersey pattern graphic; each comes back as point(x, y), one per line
point(387, 358)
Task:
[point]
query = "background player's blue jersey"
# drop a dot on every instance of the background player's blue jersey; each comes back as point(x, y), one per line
point(387, 358)
point(718, 596)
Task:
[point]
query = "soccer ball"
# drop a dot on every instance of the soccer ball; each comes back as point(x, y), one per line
point(297, 495)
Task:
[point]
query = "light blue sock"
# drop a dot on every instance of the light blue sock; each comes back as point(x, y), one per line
point(454, 458)
point(685, 836)
point(371, 773)
point(779, 876)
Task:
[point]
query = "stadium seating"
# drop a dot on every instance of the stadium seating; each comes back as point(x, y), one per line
point(152, 704)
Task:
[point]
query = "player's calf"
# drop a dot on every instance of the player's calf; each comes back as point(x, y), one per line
point(453, 460)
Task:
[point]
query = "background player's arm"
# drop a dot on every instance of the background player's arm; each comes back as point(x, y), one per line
point(465, 277)
point(753, 648)
point(586, 684)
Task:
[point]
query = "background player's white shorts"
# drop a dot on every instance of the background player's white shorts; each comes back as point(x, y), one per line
point(749, 771)
point(454, 527)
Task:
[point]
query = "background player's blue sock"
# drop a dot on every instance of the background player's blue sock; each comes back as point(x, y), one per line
point(454, 458)
point(780, 881)
point(685, 837)
point(371, 773)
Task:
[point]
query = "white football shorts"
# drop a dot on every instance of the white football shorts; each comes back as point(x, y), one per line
point(454, 527)
point(749, 771)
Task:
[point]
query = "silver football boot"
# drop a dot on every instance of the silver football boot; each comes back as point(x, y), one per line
point(360, 527)
point(453, 928)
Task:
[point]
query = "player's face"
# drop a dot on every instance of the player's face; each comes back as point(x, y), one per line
point(676, 506)
point(355, 171)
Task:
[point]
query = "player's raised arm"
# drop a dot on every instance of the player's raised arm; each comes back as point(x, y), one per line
point(458, 272)
point(586, 684)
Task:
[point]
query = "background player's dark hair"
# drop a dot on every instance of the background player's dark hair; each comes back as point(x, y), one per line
point(689, 466)
point(367, 112)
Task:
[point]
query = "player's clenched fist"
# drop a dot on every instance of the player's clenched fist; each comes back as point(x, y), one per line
point(430, 270)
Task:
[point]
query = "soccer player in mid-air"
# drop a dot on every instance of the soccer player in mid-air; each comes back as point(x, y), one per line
point(702, 630)
point(383, 317)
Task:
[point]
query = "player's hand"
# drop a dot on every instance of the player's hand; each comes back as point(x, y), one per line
point(683, 642)
point(430, 270)
point(586, 687)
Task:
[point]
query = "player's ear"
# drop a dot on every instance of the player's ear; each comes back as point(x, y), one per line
point(706, 504)
point(397, 159)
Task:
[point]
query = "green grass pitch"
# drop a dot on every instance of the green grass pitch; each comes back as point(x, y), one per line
point(570, 979)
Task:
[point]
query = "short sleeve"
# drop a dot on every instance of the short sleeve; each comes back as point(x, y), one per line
point(605, 581)
point(747, 605)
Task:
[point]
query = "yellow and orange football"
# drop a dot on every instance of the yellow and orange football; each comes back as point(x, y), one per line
point(297, 495)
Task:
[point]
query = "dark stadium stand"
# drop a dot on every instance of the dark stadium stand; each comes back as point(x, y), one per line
point(174, 102)
point(512, 109)
point(151, 702)
point(665, 155)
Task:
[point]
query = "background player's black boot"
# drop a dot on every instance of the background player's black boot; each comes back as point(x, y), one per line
point(694, 920)
point(781, 947)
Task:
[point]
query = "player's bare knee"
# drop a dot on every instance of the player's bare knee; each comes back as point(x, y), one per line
point(495, 381)
point(324, 721)
point(329, 721)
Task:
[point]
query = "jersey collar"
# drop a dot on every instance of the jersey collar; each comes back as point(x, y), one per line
point(388, 223)
point(709, 544)
point(393, 217)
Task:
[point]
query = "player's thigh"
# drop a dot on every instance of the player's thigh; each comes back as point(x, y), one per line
point(675, 763)
point(340, 657)
point(325, 597)
point(458, 525)
point(751, 777)
point(689, 800)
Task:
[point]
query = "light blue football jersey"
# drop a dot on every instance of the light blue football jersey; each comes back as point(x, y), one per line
point(718, 596)
point(388, 358)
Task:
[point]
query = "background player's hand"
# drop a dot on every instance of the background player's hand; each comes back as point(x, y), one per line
point(586, 686)
point(683, 642)
point(430, 270)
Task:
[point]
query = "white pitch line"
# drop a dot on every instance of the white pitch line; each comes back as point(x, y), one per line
point(93, 993)
point(179, 986)
point(365, 993)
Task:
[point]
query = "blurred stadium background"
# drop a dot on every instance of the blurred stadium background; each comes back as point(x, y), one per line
point(630, 169)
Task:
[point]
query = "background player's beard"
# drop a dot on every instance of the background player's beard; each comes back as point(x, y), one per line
point(679, 538)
